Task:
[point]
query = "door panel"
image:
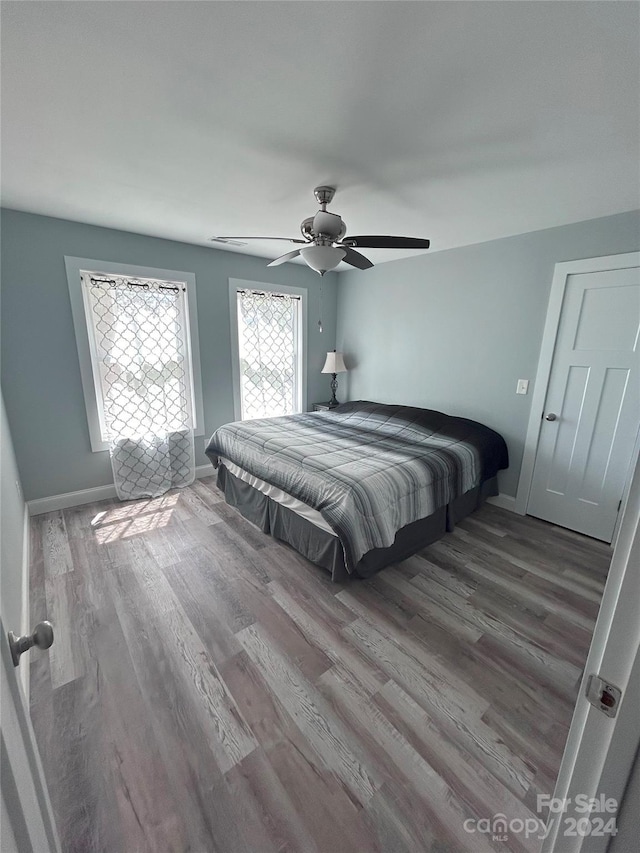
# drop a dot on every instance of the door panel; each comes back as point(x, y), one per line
point(564, 442)
point(601, 470)
point(601, 302)
point(584, 454)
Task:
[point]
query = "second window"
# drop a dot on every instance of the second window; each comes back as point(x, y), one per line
point(270, 364)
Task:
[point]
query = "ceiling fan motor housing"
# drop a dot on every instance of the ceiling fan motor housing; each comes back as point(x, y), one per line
point(324, 227)
point(307, 228)
point(328, 225)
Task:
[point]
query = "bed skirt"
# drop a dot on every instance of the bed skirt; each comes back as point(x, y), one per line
point(325, 550)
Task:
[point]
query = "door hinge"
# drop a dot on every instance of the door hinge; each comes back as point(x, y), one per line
point(603, 695)
point(619, 505)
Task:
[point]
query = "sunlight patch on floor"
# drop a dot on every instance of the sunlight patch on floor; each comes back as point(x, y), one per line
point(133, 519)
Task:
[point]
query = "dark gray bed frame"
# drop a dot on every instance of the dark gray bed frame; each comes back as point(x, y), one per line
point(325, 550)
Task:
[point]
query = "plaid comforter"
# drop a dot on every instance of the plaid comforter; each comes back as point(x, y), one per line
point(369, 469)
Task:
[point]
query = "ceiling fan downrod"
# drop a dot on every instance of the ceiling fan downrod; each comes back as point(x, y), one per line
point(324, 196)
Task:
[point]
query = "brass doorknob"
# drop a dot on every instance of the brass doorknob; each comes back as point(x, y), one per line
point(42, 637)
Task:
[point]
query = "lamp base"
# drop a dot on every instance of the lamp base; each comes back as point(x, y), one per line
point(333, 402)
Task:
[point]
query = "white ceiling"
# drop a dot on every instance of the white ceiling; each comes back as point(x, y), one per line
point(457, 121)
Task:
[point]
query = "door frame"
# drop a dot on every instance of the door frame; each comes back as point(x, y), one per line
point(561, 274)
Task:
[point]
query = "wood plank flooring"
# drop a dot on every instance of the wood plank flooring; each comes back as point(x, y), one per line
point(210, 690)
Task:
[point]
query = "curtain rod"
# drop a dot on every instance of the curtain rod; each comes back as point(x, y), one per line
point(268, 293)
point(145, 285)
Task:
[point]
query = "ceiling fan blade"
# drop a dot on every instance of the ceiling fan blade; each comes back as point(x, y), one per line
point(379, 242)
point(286, 239)
point(284, 258)
point(356, 259)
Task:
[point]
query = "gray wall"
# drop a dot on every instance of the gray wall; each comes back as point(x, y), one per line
point(12, 529)
point(40, 371)
point(455, 330)
point(451, 330)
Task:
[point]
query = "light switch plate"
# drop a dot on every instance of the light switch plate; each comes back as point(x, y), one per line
point(523, 386)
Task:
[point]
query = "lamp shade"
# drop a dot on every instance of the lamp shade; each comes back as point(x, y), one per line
point(334, 363)
point(322, 258)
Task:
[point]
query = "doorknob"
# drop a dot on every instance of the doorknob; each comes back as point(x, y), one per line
point(42, 637)
point(551, 417)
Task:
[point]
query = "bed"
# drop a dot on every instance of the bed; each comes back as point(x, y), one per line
point(361, 486)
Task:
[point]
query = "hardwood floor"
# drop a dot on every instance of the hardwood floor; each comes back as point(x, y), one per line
point(210, 690)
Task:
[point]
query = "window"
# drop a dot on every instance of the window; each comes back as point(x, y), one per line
point(134, 337)
point(268, 359)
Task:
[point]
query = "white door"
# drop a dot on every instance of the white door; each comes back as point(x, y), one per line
point(592, 408)
point(600, 749)
point(27, 822)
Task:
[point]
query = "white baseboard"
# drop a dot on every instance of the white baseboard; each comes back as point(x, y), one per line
point(205, 471)
point(101, 493)
point(88, 496)
point(69, 499)
point(503, 501)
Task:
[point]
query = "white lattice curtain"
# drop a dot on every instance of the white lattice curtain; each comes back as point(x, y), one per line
point(139, 340)
point(269, 341)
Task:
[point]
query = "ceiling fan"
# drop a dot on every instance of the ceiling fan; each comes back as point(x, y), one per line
point(325, 243)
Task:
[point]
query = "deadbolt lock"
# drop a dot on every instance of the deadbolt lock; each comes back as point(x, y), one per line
point(603, 695)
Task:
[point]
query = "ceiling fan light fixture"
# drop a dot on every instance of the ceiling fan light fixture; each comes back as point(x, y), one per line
point(322, 258)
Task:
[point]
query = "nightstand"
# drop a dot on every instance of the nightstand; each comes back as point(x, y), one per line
point(320, 407)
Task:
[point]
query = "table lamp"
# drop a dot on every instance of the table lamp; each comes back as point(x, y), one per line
point(334, 365)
